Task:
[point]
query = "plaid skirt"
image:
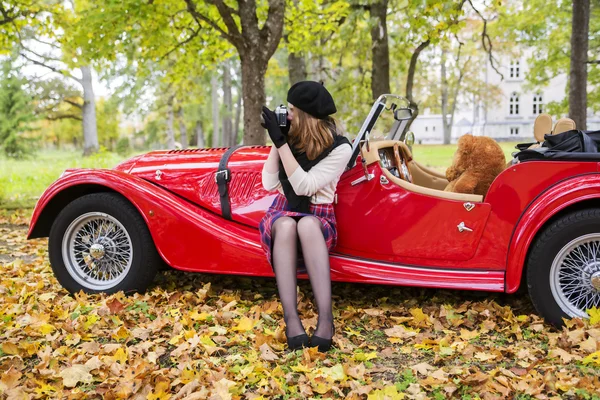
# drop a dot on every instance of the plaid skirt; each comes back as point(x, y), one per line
point(280, 208)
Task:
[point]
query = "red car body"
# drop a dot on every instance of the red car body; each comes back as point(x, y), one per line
point(386, 234)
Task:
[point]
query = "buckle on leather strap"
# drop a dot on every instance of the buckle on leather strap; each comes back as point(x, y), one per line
point(225, 178)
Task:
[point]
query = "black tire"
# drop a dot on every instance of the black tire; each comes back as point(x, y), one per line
point(545, 249)
point(145, 260)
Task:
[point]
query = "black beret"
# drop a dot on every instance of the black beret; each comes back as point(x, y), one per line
point(312, 98)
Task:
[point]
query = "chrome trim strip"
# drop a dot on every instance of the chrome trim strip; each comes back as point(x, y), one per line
point(422, 269)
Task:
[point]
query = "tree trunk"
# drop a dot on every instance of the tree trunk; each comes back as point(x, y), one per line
point(579, 58)
point(90, 128)
point(228, 139)
point(253, 92)
point(215, 110)
point(238, 113)
point(170, 132)
point(199, 135)
point(255, 45)
point(446, 125)
point(182, 129)
point(380, 70)
point(296, 68)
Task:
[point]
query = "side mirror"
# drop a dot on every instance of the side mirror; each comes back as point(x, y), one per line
point(409, 139)
point(402, 114)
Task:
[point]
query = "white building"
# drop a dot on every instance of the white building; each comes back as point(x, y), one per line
point(509, 120)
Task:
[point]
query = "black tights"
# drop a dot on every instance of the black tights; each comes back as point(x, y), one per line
point(286, 232)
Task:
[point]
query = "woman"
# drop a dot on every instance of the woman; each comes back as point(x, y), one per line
point(304, 165)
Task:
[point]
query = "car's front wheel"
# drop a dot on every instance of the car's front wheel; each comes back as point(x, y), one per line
point(100, 243)
point(563, 267)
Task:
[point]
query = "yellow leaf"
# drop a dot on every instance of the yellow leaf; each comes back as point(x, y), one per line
point(245, 324)
point(199, 316)
point(335, 373)
point(418, 316)
point(188, 375)
point(121, 334)
point(120, 356)
point(301, 368)
point(594, 314)
point(46, 329)
point(91, 320)
point(365, 356)
point(593, 358)
point(468, 335)
point(205, 339)
point(389, 392)
point(351, 331)
point(160, 392)
point(176, 339)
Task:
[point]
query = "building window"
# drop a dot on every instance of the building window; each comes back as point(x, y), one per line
point(537, 104)
point(425, 129)
point(514, 131)
point(515, 69)
point(513, 104)
point(433, 128)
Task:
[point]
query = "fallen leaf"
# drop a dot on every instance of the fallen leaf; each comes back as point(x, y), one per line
point(564, 356)
point(266, 353)
point(423, 368)
point(75, 374)
point(115, 306)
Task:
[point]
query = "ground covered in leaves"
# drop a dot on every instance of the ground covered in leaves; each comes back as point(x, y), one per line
point(196, 336)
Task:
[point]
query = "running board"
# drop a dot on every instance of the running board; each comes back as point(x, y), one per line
point(351, 269)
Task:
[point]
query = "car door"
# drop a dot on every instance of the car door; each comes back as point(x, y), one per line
point(380, 220)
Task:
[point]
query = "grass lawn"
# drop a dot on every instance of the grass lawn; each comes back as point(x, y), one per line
point(22, 182)
point(440, 156)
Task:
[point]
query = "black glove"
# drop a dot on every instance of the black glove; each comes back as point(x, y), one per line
point(273, 128)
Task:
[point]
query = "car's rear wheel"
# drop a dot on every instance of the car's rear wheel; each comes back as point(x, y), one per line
point(563, 267)
point(100, 243)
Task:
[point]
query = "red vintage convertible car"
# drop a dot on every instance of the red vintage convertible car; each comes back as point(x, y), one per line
point(539, 224)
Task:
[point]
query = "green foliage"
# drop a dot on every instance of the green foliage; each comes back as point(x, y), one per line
point(123, 146)
point(16, 114)
point(107, 120)
point(530, 24)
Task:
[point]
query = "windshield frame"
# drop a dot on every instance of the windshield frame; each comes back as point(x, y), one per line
point(378, 107)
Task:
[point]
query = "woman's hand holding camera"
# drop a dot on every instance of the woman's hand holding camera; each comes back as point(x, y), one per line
point(275, 131)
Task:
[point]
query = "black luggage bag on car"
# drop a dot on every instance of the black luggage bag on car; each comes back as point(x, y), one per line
point(569, 145)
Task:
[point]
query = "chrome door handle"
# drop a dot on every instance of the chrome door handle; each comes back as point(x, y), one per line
point(462, 227)
point(361, 179)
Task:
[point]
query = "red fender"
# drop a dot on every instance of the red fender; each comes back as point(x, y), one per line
point(174, 224)
point(558, 197)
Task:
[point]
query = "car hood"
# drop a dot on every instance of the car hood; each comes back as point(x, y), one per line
point(190, 173)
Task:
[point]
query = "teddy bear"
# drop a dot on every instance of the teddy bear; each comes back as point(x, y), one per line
point(476, 163)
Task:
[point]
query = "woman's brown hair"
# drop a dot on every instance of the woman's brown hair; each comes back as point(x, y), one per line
point(311, 135)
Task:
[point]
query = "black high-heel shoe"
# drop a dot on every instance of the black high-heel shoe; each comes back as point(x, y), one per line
point(323, 344)
point(296, 342)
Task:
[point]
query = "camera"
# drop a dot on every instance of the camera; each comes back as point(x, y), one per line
point(281, 113)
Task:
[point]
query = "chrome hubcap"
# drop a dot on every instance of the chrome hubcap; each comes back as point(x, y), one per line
point(575, 275)
point(97, 251)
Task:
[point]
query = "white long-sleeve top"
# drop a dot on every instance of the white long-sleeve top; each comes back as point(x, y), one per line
point(319, 182)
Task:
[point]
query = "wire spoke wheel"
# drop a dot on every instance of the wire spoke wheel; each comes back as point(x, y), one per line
point(575, 275)
point(97, 251)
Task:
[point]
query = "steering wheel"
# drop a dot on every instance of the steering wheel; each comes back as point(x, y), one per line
point(401, 163)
